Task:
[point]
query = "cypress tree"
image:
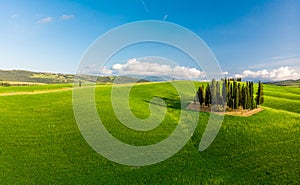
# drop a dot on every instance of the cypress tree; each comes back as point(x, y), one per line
point(235, 95)
point(203, 92)
point(228, 93)
point(224, 92)
point(260, 94)
point(240, 94)
point(213, 92)
point(248, 96)
point(252, 96)
point(231, 96)
point(218, 99)
point(243, 97)
point(207, 95)
point(200, 95)
point(262, 99)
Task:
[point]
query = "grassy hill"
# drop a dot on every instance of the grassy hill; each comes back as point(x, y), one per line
point(28, 76)
point(21, 77)
point(295, 83)
point(40, 142)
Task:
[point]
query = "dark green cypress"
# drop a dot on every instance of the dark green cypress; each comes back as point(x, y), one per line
point(262, 99)
point(240, 94)
point(213, 92)
point(203, 88)
point(218, 99)
point(252, 96)
point(207, 95)
point(247, 96)
point(228, 94)
point(224, 92)
point(243, 99)
point(235, 95)
point(200, 95)
point(260, 94)
point(231, 96)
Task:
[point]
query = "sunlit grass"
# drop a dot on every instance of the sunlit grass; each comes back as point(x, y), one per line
point(41, 143)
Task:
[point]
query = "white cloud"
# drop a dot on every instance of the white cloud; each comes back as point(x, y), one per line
point(45, 20)
point(224, 73)
point(117, 66)
point(137, 67)
point(282, 73)
point(66, 17)
point(105, 71)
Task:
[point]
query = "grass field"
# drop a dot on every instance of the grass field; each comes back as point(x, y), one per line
point(33, 88)
point(41, 143)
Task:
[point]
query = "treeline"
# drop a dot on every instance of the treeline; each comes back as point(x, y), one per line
point(4, 84)
point(231, 93)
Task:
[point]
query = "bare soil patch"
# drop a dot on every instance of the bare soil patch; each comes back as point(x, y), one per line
point(240, 112)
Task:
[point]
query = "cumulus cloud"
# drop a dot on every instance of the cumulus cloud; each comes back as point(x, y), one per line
point(105, 71)
point(282, 73)
point(66, 17)
point(136, 67)
point(224, 73)
point(45, 20)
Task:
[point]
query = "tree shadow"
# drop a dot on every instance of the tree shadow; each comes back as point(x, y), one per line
point(172, 102)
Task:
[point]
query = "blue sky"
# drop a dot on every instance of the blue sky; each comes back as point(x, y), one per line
point(252, 39)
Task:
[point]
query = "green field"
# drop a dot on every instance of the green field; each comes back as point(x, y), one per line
point(40, 142)
point(33, 88)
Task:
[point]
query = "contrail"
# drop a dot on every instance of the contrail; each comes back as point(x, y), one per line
point(145, 6)
point(165, 17)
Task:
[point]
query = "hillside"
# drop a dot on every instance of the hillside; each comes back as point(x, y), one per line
point(13, 76)
point(286, 83)
point(34, 77)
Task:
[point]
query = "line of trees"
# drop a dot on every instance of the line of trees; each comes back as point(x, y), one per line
point(4, 84)
point(230, 93)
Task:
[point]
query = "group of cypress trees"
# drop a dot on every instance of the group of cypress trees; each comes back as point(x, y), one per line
point(231, 93)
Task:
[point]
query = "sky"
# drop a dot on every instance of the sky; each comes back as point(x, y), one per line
point(255, 39)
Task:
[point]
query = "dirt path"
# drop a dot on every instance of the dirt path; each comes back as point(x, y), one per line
point(243, 113)
point(36, 92)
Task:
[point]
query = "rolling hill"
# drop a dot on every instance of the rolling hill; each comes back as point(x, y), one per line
point(21, 77)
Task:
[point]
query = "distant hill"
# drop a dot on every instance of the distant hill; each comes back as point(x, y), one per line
point(34, 77)
point(286, 83)
point(57, 78)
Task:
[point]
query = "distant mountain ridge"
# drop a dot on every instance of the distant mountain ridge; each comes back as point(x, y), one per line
point(285, 83)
